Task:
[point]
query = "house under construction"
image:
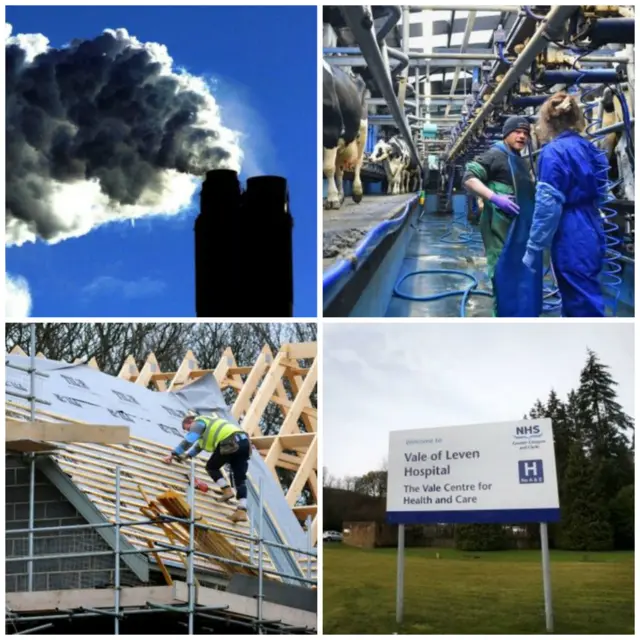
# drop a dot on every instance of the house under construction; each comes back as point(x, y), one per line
point(104, 538)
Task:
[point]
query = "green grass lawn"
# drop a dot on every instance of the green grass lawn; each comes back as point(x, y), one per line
point(469, 592)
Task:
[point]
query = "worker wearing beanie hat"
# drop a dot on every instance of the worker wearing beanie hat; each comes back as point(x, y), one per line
point(513, 124)
point(501, 177)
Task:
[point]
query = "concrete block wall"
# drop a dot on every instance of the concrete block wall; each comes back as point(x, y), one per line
point(52, 509)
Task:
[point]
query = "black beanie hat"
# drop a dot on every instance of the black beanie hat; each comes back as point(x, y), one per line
point(513, 123)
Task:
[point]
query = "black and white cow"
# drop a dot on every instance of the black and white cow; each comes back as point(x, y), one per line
point(615, 145)
point(402, 171)
point(413, 176)
point(344, 132)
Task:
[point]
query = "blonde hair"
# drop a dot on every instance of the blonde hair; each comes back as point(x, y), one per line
point(561, 112)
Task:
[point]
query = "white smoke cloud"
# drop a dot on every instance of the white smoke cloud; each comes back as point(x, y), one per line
point(17, 298)
point(32, 44)
point(40, 205)
point(259, 154)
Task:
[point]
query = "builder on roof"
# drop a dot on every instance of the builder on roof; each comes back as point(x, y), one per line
point(228, 444)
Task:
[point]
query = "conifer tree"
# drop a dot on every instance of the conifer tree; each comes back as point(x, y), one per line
point(563, 437)
point(584, 523)
point(564, 431)
point(603, 427)
point(538, 411)
point(622, 518)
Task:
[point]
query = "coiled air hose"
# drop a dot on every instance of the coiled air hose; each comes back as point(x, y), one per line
point(612, 266)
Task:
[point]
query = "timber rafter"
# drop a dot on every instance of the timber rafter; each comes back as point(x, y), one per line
point(286, 380)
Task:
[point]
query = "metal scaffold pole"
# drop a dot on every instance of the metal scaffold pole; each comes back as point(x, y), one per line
point(32, 457)
point(121, 552)
point(191, 606)
point(309, 545)
point(252, 529)
point(192, 535)
point(117, 556)
point(260, 560)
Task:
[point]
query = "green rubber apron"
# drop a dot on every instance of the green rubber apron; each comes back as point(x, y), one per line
point(517, 290)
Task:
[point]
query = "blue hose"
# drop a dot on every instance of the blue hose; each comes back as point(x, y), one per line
point(530, 13)
point(612, 265)
point(501, 54)
point(466, 293)
point(466, 236)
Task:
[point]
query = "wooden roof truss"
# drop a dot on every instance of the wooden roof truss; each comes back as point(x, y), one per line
point(295, 446)
point(279, 380)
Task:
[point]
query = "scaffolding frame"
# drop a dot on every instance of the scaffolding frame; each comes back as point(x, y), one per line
point(291, 448)
point(190, 608)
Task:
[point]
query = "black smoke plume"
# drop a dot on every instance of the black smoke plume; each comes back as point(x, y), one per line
point(103, 130)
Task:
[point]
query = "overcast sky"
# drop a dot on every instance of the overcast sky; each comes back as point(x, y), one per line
point(390, 376)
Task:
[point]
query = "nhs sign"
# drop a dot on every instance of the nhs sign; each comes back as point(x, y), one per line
point(529, 430)
point(499, 472)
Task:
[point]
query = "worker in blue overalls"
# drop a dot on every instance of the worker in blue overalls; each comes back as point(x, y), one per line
point(573, 185)
point(228, 444)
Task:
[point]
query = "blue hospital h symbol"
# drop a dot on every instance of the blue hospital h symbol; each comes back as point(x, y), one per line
point(530, 471)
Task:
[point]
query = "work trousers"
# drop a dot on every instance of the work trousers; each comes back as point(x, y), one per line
point(239, 463)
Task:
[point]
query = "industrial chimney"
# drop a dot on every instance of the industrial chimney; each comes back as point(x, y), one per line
point(244, 248)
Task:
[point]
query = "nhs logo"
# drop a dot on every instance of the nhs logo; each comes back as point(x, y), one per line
point(530, 471)
point(528, 431)
point(528, 436)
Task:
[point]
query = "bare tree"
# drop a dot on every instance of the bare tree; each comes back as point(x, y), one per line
point(111, 343)
point(328, 480)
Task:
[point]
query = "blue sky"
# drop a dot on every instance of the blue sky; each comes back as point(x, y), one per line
point(264, 63)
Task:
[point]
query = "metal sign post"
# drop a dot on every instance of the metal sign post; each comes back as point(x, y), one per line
point(400, 583)
point(494, 473)
point(546, 576)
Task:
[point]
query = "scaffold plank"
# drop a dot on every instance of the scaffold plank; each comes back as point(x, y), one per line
point(69, 599)
point(65, 432)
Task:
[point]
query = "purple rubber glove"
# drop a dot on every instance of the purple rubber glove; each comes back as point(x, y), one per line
point(505, 203)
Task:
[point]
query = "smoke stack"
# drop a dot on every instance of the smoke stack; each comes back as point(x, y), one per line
point(244, 248)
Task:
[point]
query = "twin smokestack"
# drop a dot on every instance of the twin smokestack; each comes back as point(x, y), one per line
point(244, 247)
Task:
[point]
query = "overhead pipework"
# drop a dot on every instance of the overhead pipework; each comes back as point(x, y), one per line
point(360, 21)
point(568, 49)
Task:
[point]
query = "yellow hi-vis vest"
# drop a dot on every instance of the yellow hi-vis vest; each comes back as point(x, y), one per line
point(217, 430)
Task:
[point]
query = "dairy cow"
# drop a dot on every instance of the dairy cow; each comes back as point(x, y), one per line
point(413, 176)
point(402, 171)
point(615, 144)
point(344, 132)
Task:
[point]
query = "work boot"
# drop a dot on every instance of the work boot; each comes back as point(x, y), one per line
point(225, 495)
point(239, 515)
